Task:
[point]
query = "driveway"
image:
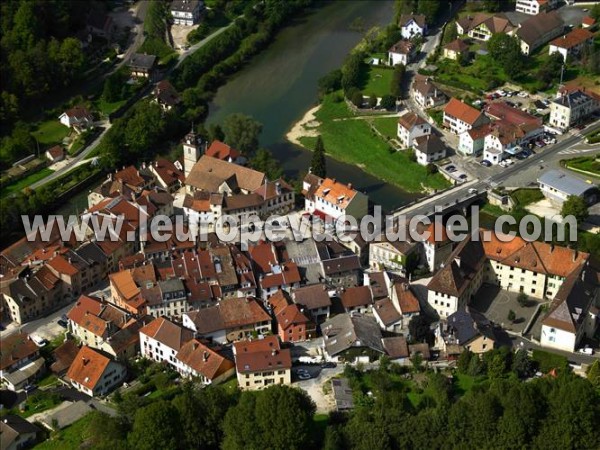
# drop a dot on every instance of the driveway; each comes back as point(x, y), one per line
point(314, 387)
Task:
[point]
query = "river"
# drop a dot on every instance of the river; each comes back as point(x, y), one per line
point(280, 85)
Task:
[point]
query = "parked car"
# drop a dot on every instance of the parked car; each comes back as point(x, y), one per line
point(539, 144)
point(462, 177)
point(521, 156)
point(486, 163)
point(472, 191)
point(328, 365)
point(303, 374)
point(62, 323)
point(523, 94)
point(38, 340)
point(30, 388)
point(450, 168)
point(587, 350)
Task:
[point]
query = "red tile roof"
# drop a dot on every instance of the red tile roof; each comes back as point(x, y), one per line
point(462, 111)
point(573, 39)
point(410, 120)
point(222, 151)
point(260, 355)
point(356, 296)
point(407, 300)
point(15, 348)
point(88, 367)
point(204, 360)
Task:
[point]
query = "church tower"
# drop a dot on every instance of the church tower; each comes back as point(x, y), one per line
point(191, 152)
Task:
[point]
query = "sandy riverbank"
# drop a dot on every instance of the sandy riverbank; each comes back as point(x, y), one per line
point(305, 127)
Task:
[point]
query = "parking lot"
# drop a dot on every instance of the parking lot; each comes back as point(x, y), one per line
point(323, 398)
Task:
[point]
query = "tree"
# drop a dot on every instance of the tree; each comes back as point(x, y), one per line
point(430, 9)
point(155, 426)
point(372, 101)
point(451, 33)
point(105, 432)
point(464, 361)
point(277, 417)
point(351, 71)
point(388, 102)
point(357, 98)
point(264, 162)
point(550, 70)
point(419, 329)
point(432, 169)
point(215, 133)
point(511, 315)
point(318, 163)
point(593, 374)
point(330, 82)
point(506, 50)
point(112, 89)
point(522, 364)
point(575, 206)
point(242, 132)
point(397, 80)
point(595, 12)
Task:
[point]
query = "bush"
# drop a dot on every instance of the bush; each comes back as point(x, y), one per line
point(388, 102)
point(357, 98)
point(432, 169)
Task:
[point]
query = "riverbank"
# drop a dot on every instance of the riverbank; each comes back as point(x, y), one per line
point(359, 142)
point(305, 127)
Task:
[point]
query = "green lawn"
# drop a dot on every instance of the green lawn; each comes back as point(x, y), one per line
point(354, 142)
point(69, 438)
point(38, 401)
point(524, 197)
point(387, 126)
point(51, 132)
point(25, 182)
point(376, 80)
point(230, 385)
point(107, 108)
point(589, 164)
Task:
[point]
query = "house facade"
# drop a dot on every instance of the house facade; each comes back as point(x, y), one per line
point(262, 363)
point(460, 117)
point(557, 186)
point(429, 149)
point(95, 374)
point(401, 52)
point(412, 25)
point(572, 107)
point(410, 127)
point(572, 43)
point(186, 12)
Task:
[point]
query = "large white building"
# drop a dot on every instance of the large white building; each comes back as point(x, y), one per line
point(412, 25)
point(460, 117)
point(557, 186)
point(401, 52)
point(186, 12)
point(410, 127)
point(329, 199)
point(161, 339)
point(572, 107)
point(534, 7)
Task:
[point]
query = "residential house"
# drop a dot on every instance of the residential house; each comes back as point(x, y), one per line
point(471, 142)
point(352, 337)
point(216, 176)
point(16, 433)
point(572, 43)
point(95, 374)
point(386, 315)
point(534, 7)
point(405, 302)
point(104, 327)
point(356, 299)
point(425, 93)
point(142, 65)
point(573, 315)
point(292, 324)
point(402, 52)
point(460, 117)
point(55, 154)
point(572, 107)
point(202, 209)
point(396, 348)
point(456, 49)
point(100, 24)
point(224, 152)
point(197, 360)
point(79, 118)
point(342, 271)
point(412, 25)
point(467, 23)
point(394, 255)
point(63, 356)
point(166, 95)
point(539, 29)
point(588, 22)
point(461, 276)
point(20, 361)
point(558, 185)
point(315, 301)
point(410, 127)
point(162, 339)
point(437, 247)
point(230, 320)
point(261, 363)
point(186, 12)
point(169, 175)
point(466, 329)
point(489, 26)
point(379, 283)
point(429, 149)
point(328, 199)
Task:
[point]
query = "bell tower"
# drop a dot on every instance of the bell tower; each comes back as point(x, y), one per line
point(191, 151)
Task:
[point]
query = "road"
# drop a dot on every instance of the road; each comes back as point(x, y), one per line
point(140, 14)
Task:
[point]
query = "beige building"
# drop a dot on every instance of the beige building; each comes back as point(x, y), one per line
point(261, 363)
point(572, 107)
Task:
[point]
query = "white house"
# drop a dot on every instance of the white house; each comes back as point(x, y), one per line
point(76, 117)
point(572, 107)
point(386, 315)
point(412, 25)
point(161, 339)
point(410, 127)
point(186, 12)
point(572, 44)
point(95, 374)
point(429, 149)
point(425, 93)
point(471, 142)
point(534, 7)
point(198, 361)
point(572, 314)
point(328, 198)
point(261, 363)
point(460, 117)
point(401, 52)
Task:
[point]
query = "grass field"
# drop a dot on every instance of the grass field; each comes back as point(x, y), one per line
point(354, 142)
point(387, 126)
point(526, 196)
point(376, 80)
point(50, 132)
point(25, 182)
point(108, 108)
point(69, 438)
point(585, 163)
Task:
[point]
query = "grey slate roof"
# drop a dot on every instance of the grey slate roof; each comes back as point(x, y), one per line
point(345, 331)
point(564, 182)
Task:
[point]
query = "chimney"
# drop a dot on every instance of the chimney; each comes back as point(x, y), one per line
point(273, 352)
point(551, 248)
point(349, 185)
point(85, 360)
point(575, 254)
